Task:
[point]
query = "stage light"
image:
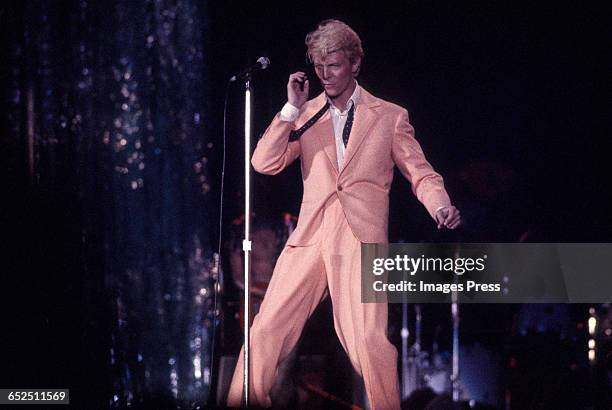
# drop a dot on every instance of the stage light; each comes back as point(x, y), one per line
point(591, 356)
point(592, 325)
point(197, 369)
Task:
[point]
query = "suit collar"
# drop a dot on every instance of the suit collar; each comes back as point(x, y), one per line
point(367, 99)
point(311, 107)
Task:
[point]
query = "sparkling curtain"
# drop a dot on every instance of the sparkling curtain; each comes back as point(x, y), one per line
point(107, 107)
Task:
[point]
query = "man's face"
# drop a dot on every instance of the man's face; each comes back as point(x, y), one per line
point(336, 72)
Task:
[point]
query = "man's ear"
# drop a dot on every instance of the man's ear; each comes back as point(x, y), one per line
point(356, 66)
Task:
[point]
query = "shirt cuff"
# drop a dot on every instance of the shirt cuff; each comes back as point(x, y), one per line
point(289, 113)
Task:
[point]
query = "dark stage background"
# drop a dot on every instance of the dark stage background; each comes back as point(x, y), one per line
point(111, 149)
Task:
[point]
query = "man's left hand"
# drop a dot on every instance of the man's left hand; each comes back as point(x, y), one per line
point(448, 217)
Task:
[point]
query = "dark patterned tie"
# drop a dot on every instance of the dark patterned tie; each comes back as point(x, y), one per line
point(296, 134)
point(347, 126)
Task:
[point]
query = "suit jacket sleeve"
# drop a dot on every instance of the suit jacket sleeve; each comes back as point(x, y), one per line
point(427, 185)
point(274, 152)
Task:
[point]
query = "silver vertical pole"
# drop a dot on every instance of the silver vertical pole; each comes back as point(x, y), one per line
point(246, 243)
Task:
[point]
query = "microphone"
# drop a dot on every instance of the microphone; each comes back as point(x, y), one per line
point(261, 64)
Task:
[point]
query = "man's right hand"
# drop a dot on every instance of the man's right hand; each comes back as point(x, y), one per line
point(295, 95)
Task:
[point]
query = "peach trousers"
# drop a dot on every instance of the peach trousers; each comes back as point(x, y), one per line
point(298, 284)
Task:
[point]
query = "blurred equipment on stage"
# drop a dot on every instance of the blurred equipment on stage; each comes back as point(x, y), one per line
point(477, 371)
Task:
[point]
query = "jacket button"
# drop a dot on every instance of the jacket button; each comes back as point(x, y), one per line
point(339, 187)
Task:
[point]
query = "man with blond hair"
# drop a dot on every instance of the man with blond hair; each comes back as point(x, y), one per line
point(348, 142)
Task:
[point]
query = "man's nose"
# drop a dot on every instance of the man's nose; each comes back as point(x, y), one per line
point(325, 73)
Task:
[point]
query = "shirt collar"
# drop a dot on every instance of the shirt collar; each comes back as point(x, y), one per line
point(353, 100)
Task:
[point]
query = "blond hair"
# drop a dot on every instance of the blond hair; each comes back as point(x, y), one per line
point(333, 35)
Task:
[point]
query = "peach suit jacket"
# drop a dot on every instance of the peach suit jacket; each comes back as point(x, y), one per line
point(380, 138)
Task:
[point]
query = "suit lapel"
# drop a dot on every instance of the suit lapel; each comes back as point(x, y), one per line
point(324, 129)
point(365, 117)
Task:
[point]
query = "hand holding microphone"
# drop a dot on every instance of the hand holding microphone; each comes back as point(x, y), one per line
point(297, 89)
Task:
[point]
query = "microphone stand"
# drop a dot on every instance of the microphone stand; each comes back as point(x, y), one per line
point(246, 242)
